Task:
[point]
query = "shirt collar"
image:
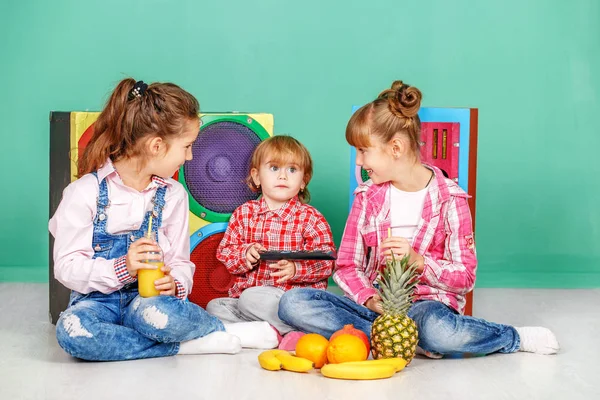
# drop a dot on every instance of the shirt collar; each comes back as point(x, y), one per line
point(284, 212)
point(109, 170)
point(437, 191)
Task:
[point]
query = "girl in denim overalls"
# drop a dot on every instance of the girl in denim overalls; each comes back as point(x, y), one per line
point(141, 138)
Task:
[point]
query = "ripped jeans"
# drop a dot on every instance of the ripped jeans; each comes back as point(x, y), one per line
point(124, 326)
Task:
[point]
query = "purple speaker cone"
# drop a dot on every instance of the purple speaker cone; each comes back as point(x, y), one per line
point(217, 174)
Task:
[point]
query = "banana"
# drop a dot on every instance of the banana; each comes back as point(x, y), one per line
point(269, 361)
point(358, 371)
point(397, 363)
point(293, 363)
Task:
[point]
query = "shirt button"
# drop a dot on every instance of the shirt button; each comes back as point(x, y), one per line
point(101, 217)
point(132, 238)
point(97, 248)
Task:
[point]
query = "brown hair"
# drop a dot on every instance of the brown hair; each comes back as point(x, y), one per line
point(282, 149)
point(161, 110)
point(394, 111)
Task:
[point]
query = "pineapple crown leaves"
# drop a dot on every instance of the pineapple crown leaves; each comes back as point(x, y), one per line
point(397, 284)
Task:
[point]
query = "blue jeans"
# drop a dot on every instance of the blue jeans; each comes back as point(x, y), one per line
point(441, 329)
point(124, 326)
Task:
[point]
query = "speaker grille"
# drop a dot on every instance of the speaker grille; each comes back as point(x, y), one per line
point(216, 176)
point(211, 279)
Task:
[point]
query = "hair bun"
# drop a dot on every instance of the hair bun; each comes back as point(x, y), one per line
point(404, 100)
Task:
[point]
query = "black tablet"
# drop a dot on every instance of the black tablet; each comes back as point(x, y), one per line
point(297, 255)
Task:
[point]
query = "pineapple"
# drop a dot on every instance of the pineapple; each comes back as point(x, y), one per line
point(393, 333)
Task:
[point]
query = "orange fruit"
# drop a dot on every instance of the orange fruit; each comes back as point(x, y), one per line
point(345, 348)
point(351, 330)
point(313, 347)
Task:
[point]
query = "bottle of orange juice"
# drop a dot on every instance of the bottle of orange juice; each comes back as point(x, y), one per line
point(146, 277)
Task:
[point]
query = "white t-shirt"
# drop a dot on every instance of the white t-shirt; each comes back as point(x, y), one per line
point(406, 209)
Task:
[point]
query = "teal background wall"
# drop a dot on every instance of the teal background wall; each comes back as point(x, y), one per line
point(531, 67)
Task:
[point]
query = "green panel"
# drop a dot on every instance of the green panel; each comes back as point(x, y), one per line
point(531, 67)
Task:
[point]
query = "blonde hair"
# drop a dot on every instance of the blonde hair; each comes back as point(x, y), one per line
point(393, 112)
point(282, 149)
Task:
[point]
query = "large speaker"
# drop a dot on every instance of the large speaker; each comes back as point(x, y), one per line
point(214, 180)
point(449, 142)
point(211, 280)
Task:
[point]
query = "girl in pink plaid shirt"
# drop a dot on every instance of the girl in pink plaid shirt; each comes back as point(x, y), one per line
point(430, 222)
point(280, 169)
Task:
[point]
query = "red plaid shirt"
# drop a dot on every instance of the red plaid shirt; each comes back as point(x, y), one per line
point(295, 226)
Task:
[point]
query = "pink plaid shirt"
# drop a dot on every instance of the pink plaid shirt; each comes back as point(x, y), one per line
point(444, 237)
point(295, 226)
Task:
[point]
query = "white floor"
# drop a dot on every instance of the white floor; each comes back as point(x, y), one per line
point(32, 366)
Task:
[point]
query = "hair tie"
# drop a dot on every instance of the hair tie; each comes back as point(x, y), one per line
point(138, 90)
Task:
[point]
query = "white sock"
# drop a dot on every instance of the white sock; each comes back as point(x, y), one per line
point(213, 343)
point(539, 340)
point(255, 335)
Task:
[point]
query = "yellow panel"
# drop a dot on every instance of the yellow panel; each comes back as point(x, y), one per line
point(266, 120)
point(196, 223)
point(80, 121)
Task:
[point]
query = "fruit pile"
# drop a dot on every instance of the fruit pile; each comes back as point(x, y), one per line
point(343, 356)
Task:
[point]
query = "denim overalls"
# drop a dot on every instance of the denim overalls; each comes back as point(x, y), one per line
point(122, 325)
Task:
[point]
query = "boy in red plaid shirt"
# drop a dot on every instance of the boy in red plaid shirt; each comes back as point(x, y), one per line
point(280, 169)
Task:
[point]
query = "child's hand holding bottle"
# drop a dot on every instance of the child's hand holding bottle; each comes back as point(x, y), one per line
point(147, 262)
point(399, 247)
point(141, 252)
point(166, 285)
